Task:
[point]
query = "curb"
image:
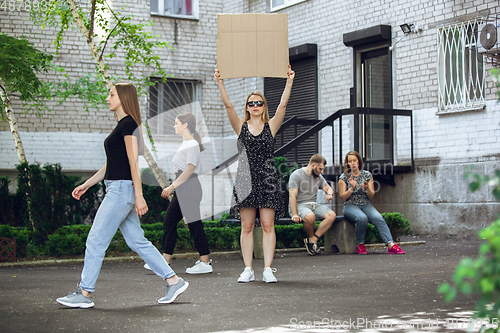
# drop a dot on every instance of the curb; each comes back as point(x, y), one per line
point(176, 256)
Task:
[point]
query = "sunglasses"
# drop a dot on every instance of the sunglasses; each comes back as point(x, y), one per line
point(255, 103)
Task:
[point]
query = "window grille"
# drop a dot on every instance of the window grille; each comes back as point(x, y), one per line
point(460, 68)
point(167, 100)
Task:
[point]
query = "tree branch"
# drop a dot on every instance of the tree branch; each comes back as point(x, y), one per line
point(92, 16)
point(109, 35)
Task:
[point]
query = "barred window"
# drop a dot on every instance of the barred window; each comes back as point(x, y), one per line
point(175, 8)
point(460, 68)
point(167, 100)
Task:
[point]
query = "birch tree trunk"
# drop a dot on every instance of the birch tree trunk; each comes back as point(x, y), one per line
point(104, 72)
point(11, 118)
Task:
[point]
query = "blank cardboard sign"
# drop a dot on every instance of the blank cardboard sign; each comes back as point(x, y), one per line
point(252, 45)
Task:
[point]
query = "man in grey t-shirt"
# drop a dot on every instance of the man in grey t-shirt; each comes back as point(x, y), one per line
point(303, 186)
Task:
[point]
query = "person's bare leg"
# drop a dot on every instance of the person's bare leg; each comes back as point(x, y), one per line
point(309, 223)
point(167, 257)
point(268, 235)
point(327, 222)
point(247, 225)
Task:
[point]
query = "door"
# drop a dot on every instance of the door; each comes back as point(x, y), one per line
point(376, 88)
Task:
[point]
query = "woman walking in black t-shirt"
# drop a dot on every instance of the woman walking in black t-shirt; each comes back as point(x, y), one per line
point(123, 203)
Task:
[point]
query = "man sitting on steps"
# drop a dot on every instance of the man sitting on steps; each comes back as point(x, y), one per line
point(303, 187)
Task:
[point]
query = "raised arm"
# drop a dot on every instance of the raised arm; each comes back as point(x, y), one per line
point(344, 193)
point(369, 189)
point(141, 207)
point(276, 121)
point(235, 121)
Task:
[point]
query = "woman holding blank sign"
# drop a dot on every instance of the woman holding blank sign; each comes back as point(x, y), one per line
point(257, 192)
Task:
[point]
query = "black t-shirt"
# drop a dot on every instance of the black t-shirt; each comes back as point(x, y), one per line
point(118, 167)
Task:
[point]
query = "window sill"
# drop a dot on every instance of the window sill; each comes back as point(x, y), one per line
point(182, 17)
point(278, 8)
point(469, 109)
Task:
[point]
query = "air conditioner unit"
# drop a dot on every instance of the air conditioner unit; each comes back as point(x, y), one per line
point(488, 38)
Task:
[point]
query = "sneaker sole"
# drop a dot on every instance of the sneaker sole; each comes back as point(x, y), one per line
point(208, 272)
point(245, 281)
point(76, 305)
point(177, 293)
point(272, 281)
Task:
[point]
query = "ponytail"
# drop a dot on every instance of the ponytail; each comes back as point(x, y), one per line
point(197, 137)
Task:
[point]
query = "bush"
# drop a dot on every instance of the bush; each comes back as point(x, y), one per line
point(481, 276)
point(22, 236)
point(70, 240)
point(44, 201)
point(152, 194)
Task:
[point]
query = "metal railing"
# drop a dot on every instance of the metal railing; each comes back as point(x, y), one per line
point(318, 125)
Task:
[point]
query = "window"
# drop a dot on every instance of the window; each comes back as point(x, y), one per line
point(175, 8)
point(280, 4)
point(460, 68)
point(167, 100)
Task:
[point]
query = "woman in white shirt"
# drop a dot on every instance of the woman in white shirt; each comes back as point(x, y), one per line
point(187, 195)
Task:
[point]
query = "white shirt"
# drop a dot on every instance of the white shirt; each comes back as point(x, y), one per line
point(188, 153)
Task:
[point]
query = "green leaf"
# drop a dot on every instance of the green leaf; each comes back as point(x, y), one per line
point(486, 285)
point(474, 186)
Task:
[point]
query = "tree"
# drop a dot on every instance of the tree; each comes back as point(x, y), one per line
point(132, 38)
point(19, 67)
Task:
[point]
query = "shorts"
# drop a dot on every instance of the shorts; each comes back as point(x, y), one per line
point(319, 210)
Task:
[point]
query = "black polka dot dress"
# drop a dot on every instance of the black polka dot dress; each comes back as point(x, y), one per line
point(257, 184)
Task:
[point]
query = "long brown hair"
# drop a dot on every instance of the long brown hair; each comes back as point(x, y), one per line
point(265, 114)
point(130, 105)
point(347, 169)
point(186, 117)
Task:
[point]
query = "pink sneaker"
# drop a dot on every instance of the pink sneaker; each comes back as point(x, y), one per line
point(361, 249)
point(395, 249)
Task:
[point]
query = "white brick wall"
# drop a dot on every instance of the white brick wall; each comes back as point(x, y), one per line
point(74, 151)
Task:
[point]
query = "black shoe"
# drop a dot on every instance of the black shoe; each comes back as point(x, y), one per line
point(309, 247)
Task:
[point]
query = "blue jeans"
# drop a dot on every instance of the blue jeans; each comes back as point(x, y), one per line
point(117, 210)
point(361, 215)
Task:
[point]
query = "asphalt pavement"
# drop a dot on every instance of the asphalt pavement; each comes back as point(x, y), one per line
point(377, 292)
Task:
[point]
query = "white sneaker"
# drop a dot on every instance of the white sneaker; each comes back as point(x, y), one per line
point(268, 275)
point(247, 275)
point(146, 266)
point(200, 268)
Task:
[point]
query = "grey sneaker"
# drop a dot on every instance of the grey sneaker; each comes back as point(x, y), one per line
point(173, 291)
point(76, 300)
point(200, 267)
